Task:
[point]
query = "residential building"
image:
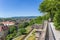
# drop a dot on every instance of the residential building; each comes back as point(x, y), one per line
point(3, 32)
point(7, 23)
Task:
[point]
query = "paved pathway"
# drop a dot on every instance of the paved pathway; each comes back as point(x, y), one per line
point(56, 33)
point(50, 32)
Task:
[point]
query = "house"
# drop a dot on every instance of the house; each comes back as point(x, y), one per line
point(36, 26)
point(3, 32)
point(7, 23)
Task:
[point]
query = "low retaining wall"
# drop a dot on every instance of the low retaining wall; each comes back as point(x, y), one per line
point(42, 32)
point(26, 35)
point(43, 35)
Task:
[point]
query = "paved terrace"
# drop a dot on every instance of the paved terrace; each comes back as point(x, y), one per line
point(55, 32)
point(40, 31)
point(45, 32)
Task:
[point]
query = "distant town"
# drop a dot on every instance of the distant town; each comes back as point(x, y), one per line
point(11, 28)
point(33, 20)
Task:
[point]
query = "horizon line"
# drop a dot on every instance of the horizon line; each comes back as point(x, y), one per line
point(17, 16)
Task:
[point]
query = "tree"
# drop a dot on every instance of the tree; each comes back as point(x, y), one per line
point(32, 22)
point(20, 25)
point(38, 20)
point(45, 17)
point(9, 37)
point(22, 31)
point(57, 20)
point(12, 29)
point(25, 24)
point(49, 6)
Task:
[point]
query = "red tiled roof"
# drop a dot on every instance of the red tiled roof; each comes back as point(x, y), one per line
point(7, 22)
point(3, 28)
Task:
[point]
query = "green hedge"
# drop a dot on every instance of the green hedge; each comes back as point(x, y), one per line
point(57, 20)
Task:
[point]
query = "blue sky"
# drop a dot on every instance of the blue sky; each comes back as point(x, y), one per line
point(11, 8)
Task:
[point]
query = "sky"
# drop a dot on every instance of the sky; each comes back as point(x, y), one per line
point(11, 8)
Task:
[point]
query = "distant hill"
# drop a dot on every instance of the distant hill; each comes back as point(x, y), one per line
point(15, 18)
point(22, 17)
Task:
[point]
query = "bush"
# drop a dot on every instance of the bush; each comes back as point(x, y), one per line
point(32, 22)
point(57, 20)
point(22, 31)
point(11, 29)
point(38, 20)
point(9, 37)
point(25, 24)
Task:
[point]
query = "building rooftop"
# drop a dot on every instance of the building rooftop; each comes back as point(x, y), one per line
point(8, 23)
point(3, 28)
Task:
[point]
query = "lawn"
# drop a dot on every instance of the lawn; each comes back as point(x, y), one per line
point(19, 37)
point(32, 37)
point(28, 29)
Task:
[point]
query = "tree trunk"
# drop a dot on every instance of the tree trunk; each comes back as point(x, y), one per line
point(51, 16)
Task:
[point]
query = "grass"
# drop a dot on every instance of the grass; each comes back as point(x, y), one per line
point(28, 29)
point(19, 38)
point(32, 37)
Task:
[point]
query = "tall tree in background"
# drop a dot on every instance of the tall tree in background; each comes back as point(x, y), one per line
point(49, 6)
point(57, 16)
